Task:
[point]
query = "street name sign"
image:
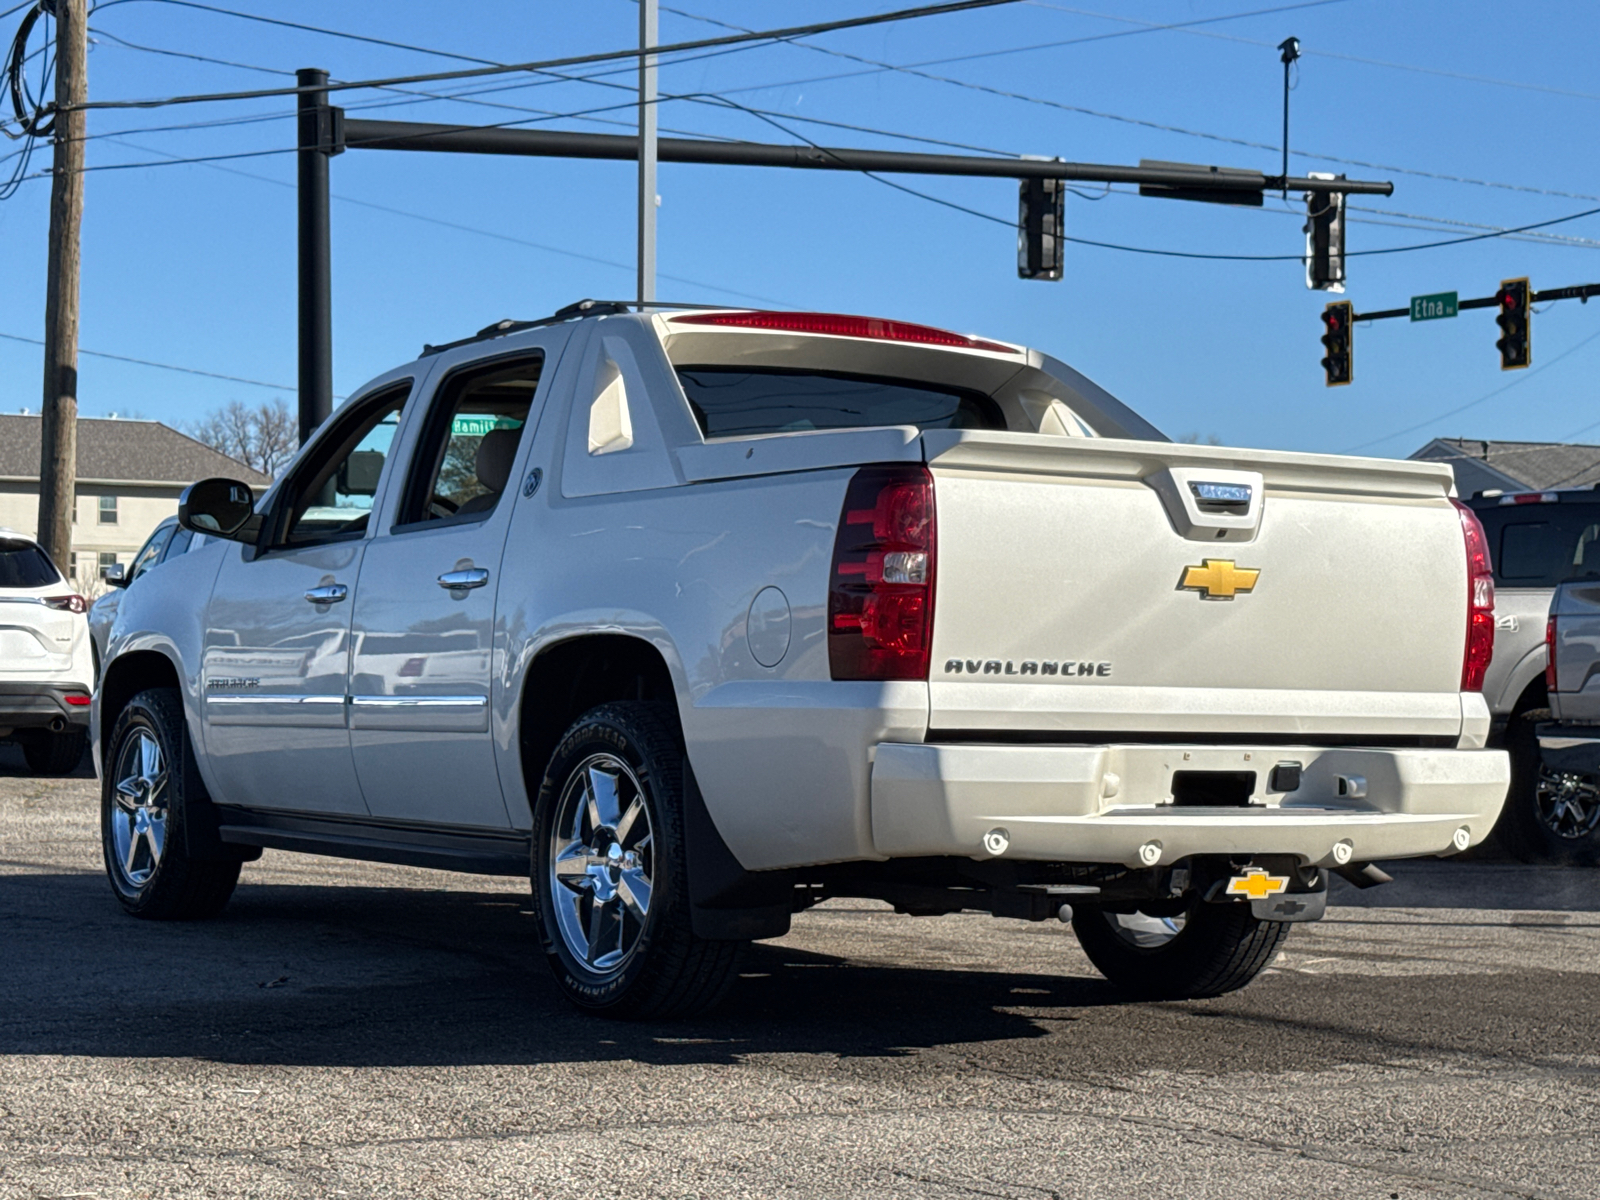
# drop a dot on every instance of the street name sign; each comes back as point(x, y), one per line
point(1434, 307)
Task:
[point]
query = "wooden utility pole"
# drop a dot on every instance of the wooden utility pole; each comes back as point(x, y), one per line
point(58, 445)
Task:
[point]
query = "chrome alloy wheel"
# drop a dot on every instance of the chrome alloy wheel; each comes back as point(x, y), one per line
point(139, 809)
point(601, 863)
point(1145, 932)
point(1568, 805)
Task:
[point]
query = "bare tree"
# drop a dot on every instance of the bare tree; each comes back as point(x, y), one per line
point(264, 438)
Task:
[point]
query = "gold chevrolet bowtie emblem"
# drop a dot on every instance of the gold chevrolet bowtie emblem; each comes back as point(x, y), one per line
point(1219, 578)
point(1257, 884)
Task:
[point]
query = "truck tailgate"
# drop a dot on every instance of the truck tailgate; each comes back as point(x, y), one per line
point(1083, 588)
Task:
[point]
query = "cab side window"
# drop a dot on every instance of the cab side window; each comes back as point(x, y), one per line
point(464, 457)
point(330, 496)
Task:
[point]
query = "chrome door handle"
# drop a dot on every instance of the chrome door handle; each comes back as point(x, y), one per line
point(472, 577)
point(328, 593)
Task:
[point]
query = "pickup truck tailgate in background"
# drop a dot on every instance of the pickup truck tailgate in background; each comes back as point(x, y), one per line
point(1072, 596)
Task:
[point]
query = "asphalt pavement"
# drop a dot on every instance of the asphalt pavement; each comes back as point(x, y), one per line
point(355, 1030)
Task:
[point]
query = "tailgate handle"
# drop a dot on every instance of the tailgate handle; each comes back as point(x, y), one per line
point(1221, 497)
point(1210, 503)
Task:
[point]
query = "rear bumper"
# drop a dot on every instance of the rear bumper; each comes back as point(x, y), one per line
point(1570, 748)
point(34, 705)
point(1106, 804)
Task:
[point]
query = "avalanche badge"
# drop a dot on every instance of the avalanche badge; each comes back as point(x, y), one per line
point(1219, 578)
point(1257, 884)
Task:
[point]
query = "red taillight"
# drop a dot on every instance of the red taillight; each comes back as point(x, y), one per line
point(1480, 602)
point(77, 699)
point(71, 604)
point(880, 590)
point(1550, 655)
point(841, 325)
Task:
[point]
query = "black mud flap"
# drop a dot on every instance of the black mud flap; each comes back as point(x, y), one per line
point(726, 902)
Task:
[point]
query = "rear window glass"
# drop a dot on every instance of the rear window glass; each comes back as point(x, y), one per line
point(1541, 545)
point(740, 402)
point(24, 565)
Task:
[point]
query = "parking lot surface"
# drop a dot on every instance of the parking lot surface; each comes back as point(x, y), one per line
point(346, 1029)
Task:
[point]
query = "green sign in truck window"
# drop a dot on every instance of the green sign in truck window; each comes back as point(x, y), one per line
point(1432, 308)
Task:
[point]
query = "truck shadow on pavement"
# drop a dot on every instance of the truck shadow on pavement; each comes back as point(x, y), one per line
point(364, 976)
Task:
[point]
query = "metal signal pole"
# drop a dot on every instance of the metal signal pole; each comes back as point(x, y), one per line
point(648, 29)
point(1290, 51)
point(318, 137)
point(58, 441)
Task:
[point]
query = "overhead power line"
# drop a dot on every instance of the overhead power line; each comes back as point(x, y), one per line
point(1185, 27)
point(768, 35)
point(205, 58)
point(1521, 378)
point(480, 232)
point(145, 362)
point(875, 66)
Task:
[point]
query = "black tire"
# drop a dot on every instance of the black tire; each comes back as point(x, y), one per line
point(1220, 948)
point(1538, 824)
point(658, 968)
point(53, 753)
point(169, 883)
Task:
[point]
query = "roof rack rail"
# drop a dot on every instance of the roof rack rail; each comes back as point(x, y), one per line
point(577, 310)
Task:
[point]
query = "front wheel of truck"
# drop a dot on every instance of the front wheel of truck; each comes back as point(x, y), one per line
point(610, 888)
point(1206, 951)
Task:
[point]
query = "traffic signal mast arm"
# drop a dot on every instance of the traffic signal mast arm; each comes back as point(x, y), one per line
point(1581, 291)
point(547, 143)
point(1514, 315)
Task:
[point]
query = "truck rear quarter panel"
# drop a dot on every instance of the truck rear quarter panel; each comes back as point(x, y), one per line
point(781, 753)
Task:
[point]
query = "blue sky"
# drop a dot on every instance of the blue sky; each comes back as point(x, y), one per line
point(194, 264)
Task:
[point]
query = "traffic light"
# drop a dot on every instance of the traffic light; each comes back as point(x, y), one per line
point(1516, 330)
point(1041, 218)
point(1325, 239)
point(1339, 339)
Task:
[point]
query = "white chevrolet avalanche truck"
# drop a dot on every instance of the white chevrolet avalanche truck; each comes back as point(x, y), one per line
point(700, 617)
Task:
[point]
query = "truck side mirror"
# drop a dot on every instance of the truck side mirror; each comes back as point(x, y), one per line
point(220, 507)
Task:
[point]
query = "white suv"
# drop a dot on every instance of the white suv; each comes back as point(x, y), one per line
point(46, 673)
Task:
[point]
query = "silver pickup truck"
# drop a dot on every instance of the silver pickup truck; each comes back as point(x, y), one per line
point(1545, 547)
point(697, 618)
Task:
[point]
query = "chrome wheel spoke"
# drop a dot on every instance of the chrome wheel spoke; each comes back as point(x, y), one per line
point(603, 924)
point(626, 822)
point(634, 889)
point(130, 854)
point(572, 864)
point(155, 838)
point(605, 807)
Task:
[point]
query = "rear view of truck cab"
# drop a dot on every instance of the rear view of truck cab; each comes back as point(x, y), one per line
point(1161, 689)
